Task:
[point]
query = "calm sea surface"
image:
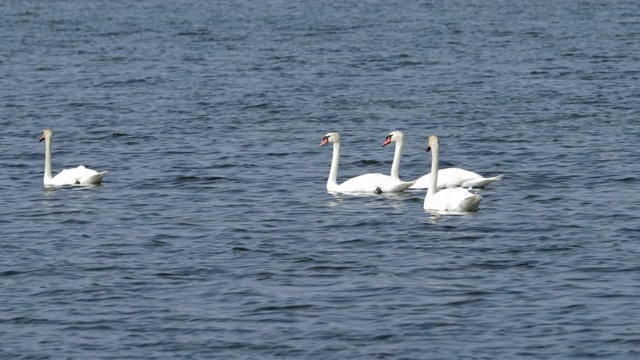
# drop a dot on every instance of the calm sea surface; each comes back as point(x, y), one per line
point(213, 235)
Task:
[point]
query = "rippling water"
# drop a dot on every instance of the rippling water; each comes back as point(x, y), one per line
point(213, 235)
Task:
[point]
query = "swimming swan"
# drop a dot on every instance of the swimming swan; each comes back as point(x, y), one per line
point(76, 176)
point(456, 199)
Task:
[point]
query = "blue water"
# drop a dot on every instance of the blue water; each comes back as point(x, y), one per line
point(213, 235)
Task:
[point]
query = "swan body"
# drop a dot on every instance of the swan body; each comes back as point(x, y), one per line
point(76, 176)
point(454, 200)
point(446, 200)
point(367, 183)
point(454, 177)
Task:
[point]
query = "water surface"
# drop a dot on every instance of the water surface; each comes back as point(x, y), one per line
point(213, 235)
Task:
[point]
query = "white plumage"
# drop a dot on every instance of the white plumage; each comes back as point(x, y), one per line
point(76, 176)
point(447, 178)
point(446, 200)
point(367, 183)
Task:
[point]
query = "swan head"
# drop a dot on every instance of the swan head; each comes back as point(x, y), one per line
point(332, 137)
point(46, 133)
point(394, 136)
point(433, 144)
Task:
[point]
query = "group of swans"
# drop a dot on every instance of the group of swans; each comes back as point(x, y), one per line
point(77, 176)
point(447, 188)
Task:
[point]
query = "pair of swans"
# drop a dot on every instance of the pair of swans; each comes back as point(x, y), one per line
point(450, 199)
point(447, 178)
point(447, 188)
point(367, 183)
point(77, 176)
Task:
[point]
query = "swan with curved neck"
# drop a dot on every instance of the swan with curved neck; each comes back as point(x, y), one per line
point(454, 200)
point(367, 183)
point(447, 178)
point(77, 176)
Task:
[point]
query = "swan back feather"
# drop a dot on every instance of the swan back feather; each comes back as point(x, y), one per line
point(454, 177)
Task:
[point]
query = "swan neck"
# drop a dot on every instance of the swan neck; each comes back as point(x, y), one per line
point(395, 166)
point(47, 158)
point(333, 173)
point(433, 181)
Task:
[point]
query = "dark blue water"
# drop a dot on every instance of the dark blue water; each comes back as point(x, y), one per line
point(213, 235)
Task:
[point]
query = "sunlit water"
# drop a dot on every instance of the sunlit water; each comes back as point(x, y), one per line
point(213, 235)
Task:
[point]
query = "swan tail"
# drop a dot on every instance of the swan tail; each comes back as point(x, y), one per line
point(402, 186)
point(471, 203)
point(94, 179)
point(486, 181)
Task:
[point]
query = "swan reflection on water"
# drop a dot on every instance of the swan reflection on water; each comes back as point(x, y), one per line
point(436, 217)
point(398, 200)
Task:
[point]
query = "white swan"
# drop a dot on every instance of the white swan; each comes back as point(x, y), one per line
point(398, 138)
point(76, 176)
point(456, 199)
point(367, 183)
point(447, 178)
point(454, 177)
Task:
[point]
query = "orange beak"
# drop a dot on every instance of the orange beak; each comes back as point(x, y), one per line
point(324, 141)
point(387, 141)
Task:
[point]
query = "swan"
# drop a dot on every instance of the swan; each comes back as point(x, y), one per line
point(398, 138)
point(447, 178)
point(456, 199)
point(76, 176)
point(454, 177)
point(367, 183)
